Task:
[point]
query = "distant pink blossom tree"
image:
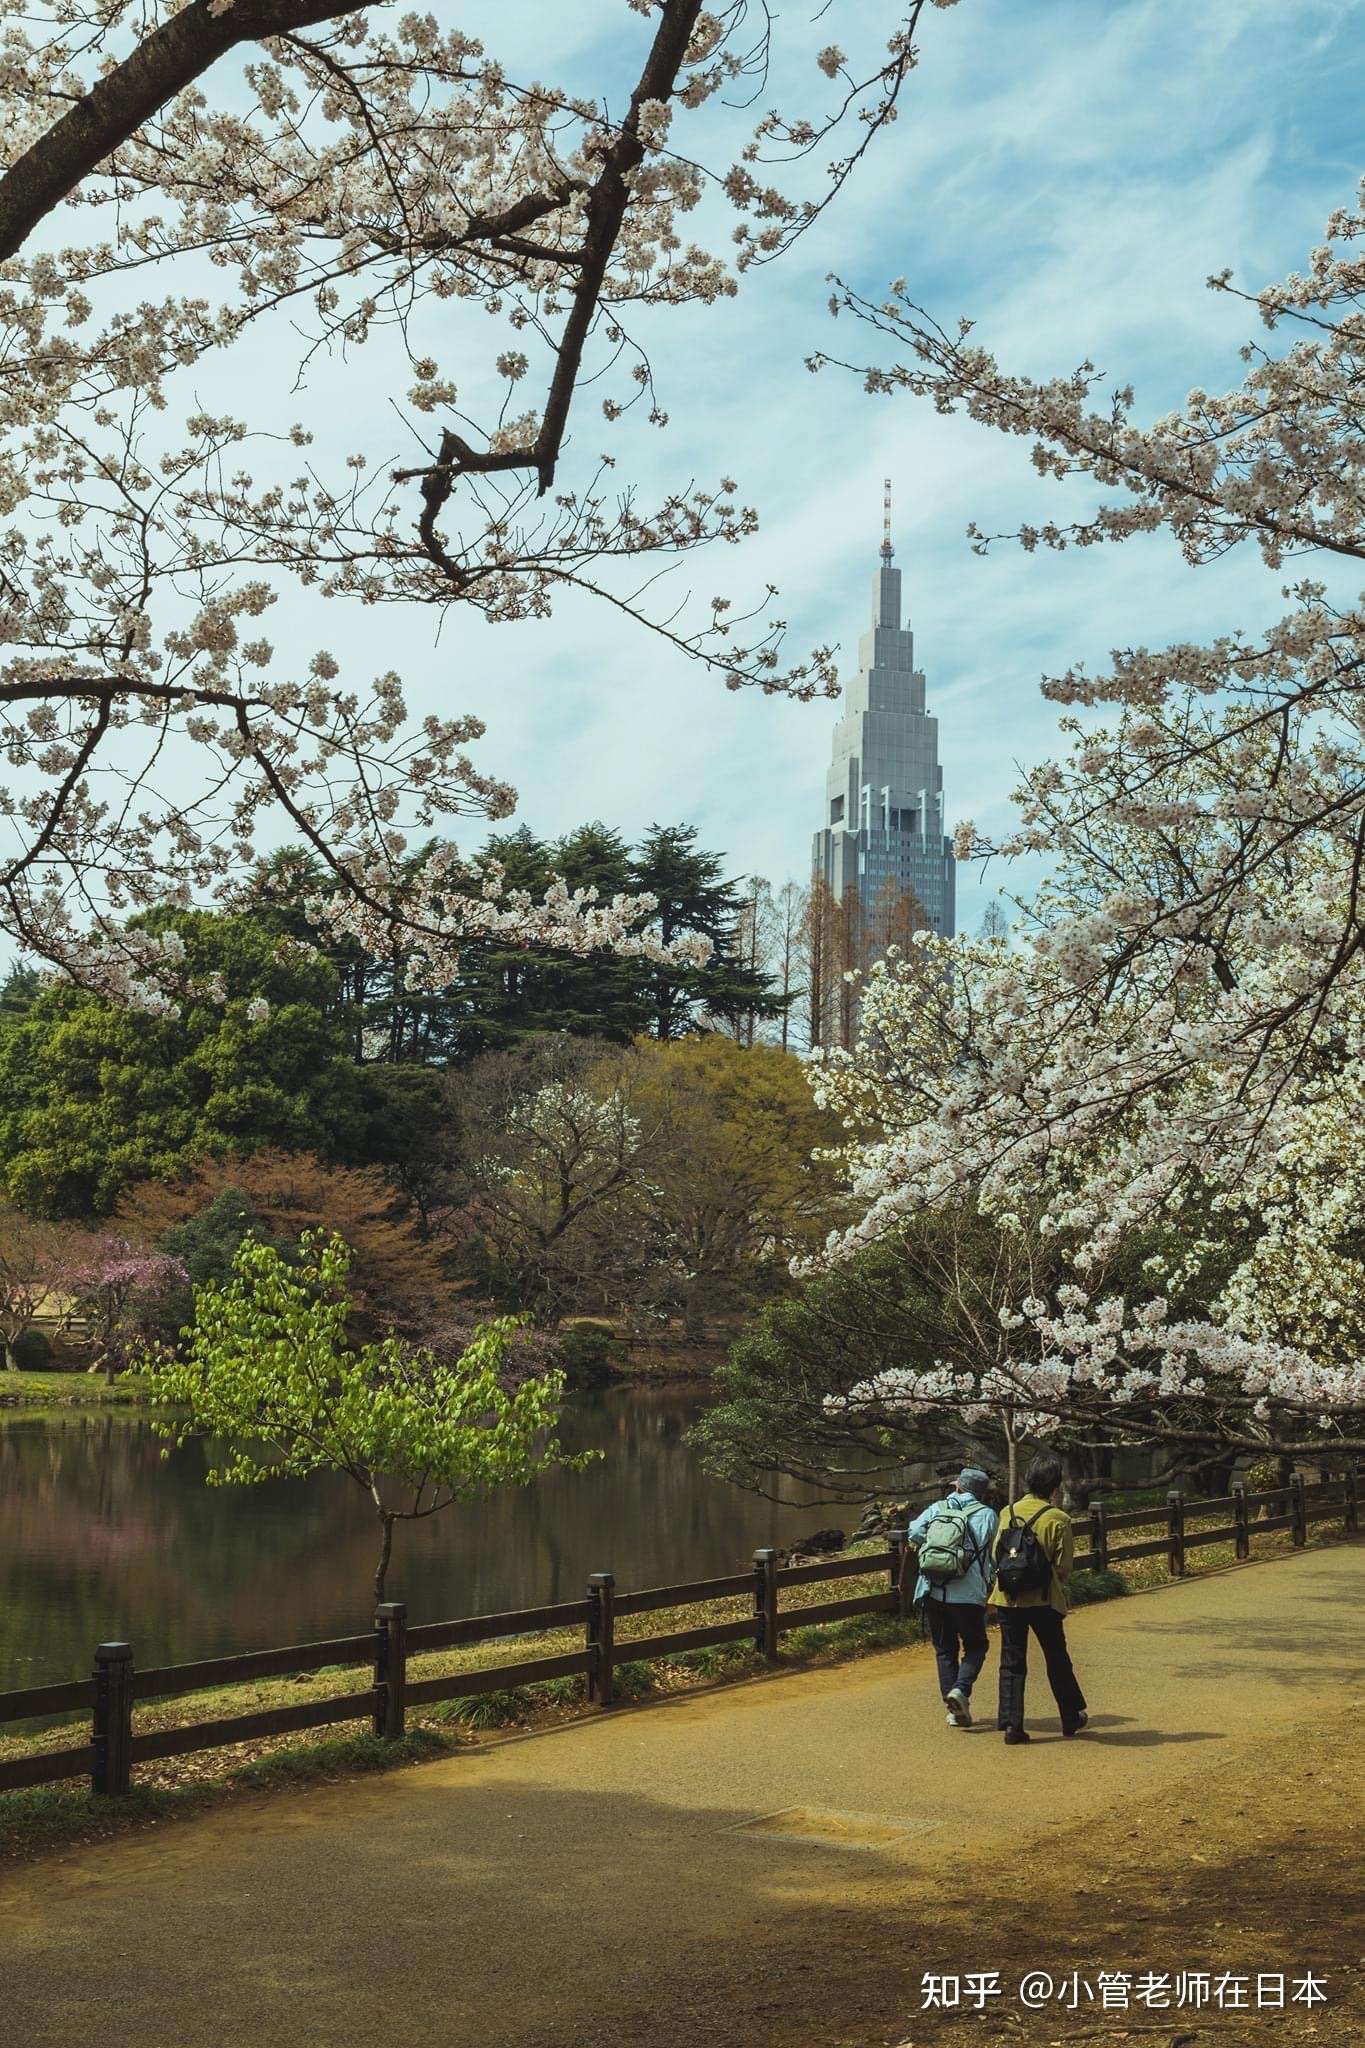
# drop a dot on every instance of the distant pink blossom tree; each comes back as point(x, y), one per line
point(121, 1290)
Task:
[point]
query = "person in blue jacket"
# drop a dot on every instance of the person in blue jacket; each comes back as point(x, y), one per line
point(955, 1540)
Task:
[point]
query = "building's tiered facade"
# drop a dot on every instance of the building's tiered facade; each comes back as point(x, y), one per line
point(881, 859)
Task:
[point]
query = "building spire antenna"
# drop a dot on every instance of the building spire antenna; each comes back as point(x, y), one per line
point(887, 549)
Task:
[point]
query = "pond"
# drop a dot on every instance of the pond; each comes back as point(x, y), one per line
point(100, 1539)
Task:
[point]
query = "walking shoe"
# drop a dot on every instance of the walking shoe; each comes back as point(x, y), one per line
point(959, 1713)
point(1076, 1725)
point(1013, 1735)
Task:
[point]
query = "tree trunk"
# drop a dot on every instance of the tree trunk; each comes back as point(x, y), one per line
point(1012, 1446)
point(385, 1553)
point(11, 1362)
point(1211, 1478)
point(1086, 1469)
point(694, 1316)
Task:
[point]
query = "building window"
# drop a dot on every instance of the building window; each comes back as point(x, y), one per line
point(836, 810)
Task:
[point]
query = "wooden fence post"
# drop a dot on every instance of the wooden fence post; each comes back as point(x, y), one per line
point(900, 1572)
point(1351, 1517)
point(601, 1637)
point(390, 1669)
point(1099, 1539)
point(1175, 1534)
point(112, 1735)
point(765, 1604)
point(1298, 1508)
point(1242, 1519)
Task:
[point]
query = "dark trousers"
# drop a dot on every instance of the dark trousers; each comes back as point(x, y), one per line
point(1050, 1628)
point(958, 1632)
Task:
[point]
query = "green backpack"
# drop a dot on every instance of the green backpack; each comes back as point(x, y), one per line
point(948, 1546)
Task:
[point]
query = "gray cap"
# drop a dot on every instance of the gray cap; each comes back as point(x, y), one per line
point(971, 1479)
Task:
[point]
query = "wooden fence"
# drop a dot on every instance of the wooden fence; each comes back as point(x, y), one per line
point(116, 1686)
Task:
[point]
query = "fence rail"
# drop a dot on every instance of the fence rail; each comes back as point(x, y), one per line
point(116, 1687)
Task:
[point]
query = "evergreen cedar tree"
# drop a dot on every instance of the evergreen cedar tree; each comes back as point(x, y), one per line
point(504, 993)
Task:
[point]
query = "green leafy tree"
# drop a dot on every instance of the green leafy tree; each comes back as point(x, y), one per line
point(778, 1427)
point(647, 1182)
point(95, 1096)
point(268, 1368)
point(413, 1134)
point(737, 1185)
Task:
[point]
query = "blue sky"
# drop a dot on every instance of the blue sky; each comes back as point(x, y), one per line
point(1066, 173)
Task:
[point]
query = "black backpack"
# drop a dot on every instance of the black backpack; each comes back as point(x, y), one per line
point(1021, 1563)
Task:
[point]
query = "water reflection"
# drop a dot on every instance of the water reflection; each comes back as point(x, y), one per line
point(101, 1538)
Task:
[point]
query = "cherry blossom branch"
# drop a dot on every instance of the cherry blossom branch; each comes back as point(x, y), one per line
point(175, 53)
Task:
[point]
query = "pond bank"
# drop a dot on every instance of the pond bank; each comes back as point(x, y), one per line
point(65, 1390)
point(676, 1366)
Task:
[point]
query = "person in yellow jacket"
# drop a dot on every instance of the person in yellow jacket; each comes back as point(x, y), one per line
point(1037, 1565)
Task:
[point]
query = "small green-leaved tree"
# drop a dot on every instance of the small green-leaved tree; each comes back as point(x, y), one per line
point(267, 1365)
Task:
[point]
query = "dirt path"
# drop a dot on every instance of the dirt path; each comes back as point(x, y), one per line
point(759, 1866)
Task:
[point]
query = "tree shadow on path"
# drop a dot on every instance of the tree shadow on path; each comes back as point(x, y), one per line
point(1287, 1652)
point(1149, 1738)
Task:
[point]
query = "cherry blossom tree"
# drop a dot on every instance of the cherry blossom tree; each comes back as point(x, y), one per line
point(307, 179)
point(1202, 1313)
point(560, 1163)
point(1239, 760)
point(1176, 1037)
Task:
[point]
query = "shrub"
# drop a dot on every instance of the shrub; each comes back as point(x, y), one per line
point(634, 1680)
point(33, 1351)
point(720, 1660)
point(488, 1709)
point(588, 1352)
point(1089, 1586)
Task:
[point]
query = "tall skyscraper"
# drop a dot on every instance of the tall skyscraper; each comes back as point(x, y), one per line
point(881, 859)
